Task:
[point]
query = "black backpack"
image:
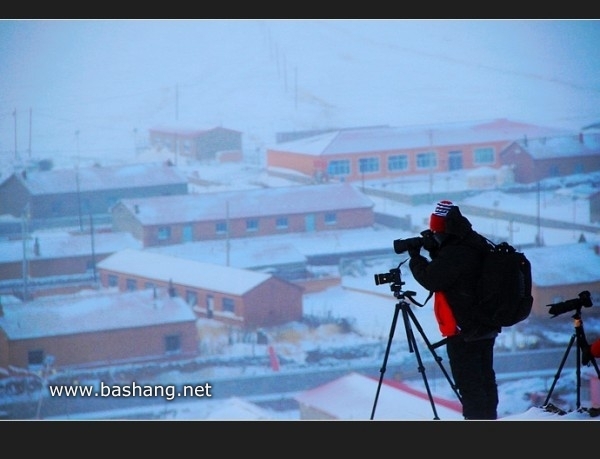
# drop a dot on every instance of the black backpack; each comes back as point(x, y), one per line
point(504, 287)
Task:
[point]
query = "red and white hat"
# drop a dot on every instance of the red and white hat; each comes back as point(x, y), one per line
point(437, 221)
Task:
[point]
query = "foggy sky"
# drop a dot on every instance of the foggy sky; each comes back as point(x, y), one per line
point(92, 86)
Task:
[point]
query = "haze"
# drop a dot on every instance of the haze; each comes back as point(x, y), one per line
point(93, 87)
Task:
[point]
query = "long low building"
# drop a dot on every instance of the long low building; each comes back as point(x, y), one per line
point(247, 299)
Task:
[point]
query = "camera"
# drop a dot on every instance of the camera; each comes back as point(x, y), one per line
point(583, 300)
point(393, 276)
point(425, 240)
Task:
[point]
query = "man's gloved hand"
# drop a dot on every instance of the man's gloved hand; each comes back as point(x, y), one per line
point(429, 242)
point(414, 252)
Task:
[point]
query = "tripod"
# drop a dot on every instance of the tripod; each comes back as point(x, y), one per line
point(408, 316)
point(584, 357)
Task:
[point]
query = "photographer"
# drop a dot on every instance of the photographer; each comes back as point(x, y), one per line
point(456, 255)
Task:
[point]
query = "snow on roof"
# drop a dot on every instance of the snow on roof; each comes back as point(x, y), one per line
point(101, 178)
point(62, 244)
point(352, 397)
point(181, 271)
point(247, 203)
point(582, 264)
point(243, 252)
point(68, 314)
point(393, 138)
point(563, 146)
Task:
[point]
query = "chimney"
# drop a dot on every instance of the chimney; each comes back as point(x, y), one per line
point(36, 247)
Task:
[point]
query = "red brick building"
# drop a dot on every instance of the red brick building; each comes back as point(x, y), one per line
point(239, 297)
point(103, 328)
point(247, 213)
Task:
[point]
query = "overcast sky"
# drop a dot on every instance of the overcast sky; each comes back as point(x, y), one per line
point(95, 86)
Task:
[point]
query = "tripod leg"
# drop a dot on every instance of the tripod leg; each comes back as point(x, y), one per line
point(413, 343)
point(436, 357)
point(560, 367)
point(385, 358)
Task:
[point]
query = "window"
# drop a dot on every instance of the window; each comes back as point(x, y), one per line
point(164, 233)
point(172, 344)
point(368, 165)
point(191, 297)
point(252, 224)
point(340, 167)
point(330, 218)
point(35, 357)
point(427, 160)
point(228, 305)
point(113, 280)
point(397, 163)
point(221, 228)
point(131, 285)
point(281, 223)
point(148, 285)
point(210, 306)
point(483, 156)
point(455, 160)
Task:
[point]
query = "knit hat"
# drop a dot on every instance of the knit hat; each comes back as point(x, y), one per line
point(437, 222)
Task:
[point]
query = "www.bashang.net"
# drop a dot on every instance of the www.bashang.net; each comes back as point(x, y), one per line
point(168, 392)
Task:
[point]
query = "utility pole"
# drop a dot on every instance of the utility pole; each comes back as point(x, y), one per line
point(77, 183)
point(16, 151)
point(29, 148)
point(25, 263)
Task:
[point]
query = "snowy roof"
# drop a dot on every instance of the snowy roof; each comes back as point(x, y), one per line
point(68, 314)
point(181, 271)
point(101, 178)
point(562, 146)
point(582, 264)
point(393, 138)
point(352, 397)
point(62, 244)
point(247, 203)
point(186, 130)
point(246, 253)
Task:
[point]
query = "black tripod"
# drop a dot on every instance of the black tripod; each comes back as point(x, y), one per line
point(584, 357)
point(407, 316)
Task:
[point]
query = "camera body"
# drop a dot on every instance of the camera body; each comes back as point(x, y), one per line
point(426, 240)
point(584, 299)
point(393, 277)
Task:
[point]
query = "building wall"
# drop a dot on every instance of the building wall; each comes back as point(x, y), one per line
point(123, 220)
point(48, 267)
point(105, 347)
point(273, 302)
point(13, 197)
point(314, 166)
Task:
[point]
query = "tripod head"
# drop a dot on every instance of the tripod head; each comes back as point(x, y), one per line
point(394, 278)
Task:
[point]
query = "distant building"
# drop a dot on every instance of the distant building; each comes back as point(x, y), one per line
point(561, 273)
point(239, 297)
point(63, 197)
point(97, 330)
point(248, 213)
point(218, 143)
point(389, 152)
point(51, 261)
point(532, 160)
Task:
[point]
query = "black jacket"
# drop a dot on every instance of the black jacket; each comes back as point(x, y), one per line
point(454, 269)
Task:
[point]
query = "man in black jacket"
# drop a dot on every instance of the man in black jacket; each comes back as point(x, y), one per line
point(456, 255)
